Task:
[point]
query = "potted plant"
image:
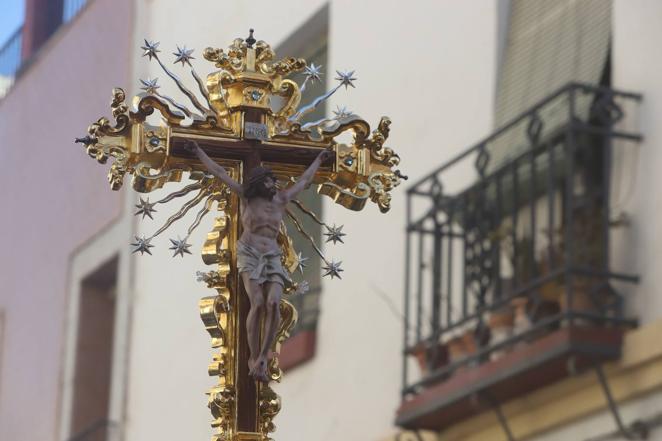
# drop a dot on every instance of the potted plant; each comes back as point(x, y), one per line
point(588, 253)
point(463, 344)
point(501, 323)
point(430, 356)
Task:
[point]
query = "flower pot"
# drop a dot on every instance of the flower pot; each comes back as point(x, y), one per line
point(456, 349)
point(581, 301)
point(501, 328)
point(430, 358)
point(501, 318)
point(522, 322)
point(469, 340)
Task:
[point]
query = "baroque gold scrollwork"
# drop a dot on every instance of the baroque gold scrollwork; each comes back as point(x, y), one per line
point(351, 198)
point(216, 82)
point(216, 313)
point(290, 90)
point(144, 106)
point(269, 407)
point(381, 184)
point(221, 403)
point(234, 60)
point(384, 155)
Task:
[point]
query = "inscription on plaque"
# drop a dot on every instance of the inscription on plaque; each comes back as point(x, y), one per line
point(254, 130)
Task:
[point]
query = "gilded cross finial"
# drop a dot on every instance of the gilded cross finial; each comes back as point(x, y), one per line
point(250, 41)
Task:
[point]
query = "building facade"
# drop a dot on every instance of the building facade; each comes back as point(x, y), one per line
point(117, 350)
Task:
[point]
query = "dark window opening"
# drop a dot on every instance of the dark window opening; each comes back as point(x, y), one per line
point(94, 353)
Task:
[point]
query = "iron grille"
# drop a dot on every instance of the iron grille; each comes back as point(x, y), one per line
point(529, 233)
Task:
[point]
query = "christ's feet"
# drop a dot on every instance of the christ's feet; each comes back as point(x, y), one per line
point(258, 369)
point(251, 367)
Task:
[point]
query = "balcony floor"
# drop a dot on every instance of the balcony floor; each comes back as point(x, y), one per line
point(469, 391)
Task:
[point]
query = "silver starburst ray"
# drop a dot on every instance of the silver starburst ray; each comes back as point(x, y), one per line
point(150, 49)
point(142, 245)
point(334, 234)
point(301, 262)
point(313, 73)
point(344, 78)
point(150, 85)
point(332, 269)
point(180, 246)
point(145, 208)
point(342, 113)
point(183, 55)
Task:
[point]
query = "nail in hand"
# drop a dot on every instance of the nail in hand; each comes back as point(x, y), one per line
point(191, 146)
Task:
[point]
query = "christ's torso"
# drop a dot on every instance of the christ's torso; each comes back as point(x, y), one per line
point(261, 220)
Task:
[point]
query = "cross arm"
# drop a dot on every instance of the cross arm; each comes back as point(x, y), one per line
point(362, 170)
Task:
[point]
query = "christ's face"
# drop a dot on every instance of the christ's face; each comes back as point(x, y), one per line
point(269, 183)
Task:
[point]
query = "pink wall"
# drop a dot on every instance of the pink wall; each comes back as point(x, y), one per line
point(53, 199)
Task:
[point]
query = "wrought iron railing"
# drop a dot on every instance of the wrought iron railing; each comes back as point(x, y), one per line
point(71, 8)
point(10, 60)
point(517, 241)
point(11, 51)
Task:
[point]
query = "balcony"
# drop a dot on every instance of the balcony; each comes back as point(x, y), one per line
point(10, 60)
point(508, 279)
point(13, 54)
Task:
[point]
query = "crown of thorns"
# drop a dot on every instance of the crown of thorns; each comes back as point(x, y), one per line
point(259, 174)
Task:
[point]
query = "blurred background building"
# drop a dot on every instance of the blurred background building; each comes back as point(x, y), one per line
point(510, 294)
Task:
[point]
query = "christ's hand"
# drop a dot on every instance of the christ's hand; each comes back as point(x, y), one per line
point(325, 155)
point(191, 146)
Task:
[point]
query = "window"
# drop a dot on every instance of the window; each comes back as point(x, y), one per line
point(93, 357)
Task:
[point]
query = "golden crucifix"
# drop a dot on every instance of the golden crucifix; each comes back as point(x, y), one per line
point(245, 115)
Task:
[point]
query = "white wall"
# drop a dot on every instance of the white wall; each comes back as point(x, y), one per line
point(54, 200)
point(431, 68)
point(636, 66)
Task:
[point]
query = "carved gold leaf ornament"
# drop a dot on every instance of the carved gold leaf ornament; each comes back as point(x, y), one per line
point(242, 82)
point(232, 113)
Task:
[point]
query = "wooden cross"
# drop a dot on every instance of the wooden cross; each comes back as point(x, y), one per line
point(236, 121)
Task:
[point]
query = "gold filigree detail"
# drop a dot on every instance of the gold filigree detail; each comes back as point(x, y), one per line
point(381, 184)
point(270, 405)
point(247, 79)
point(217, 313)
point(234, 60)
point(289, 257)
point(144, 105)
point(109, 141)
point(285, 66)
point(221, 403)
point(351, 198)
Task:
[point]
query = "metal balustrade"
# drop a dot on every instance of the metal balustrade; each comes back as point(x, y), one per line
point(10, 60)
point(525, 235)
point(71, 8)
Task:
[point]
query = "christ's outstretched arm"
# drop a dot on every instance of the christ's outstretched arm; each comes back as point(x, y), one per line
point(306, 178)
point(213, 167)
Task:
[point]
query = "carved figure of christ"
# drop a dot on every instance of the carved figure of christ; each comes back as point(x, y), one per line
point(258, 254)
